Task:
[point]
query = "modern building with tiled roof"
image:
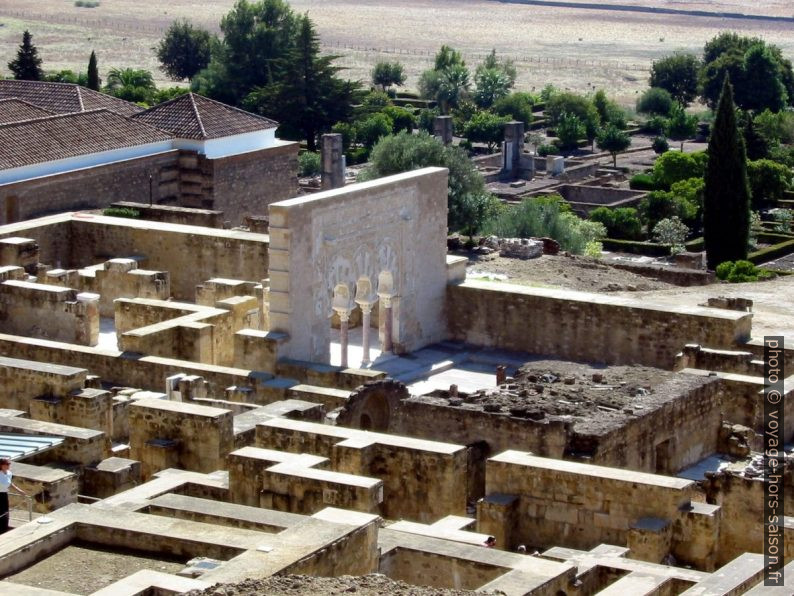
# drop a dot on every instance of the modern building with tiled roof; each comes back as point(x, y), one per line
point(198, 118)
point(64, 98)
point(64, 147)
point(14, 110)
point(41, 146)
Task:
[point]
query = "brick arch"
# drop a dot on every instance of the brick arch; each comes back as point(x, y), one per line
point(371, 406)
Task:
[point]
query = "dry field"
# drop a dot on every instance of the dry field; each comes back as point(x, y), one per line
point(572, 48)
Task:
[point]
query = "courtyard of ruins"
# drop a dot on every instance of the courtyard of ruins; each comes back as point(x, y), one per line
point(201, 418)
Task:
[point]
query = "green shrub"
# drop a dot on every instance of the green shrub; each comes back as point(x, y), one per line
point(642, 182)
point(660, 145)
point(517, 106)
point(655, 125)
point(548, 217)
point(122, 212)
point(593, 249)
point(673, 166)
point(427, 118)
point(622, 223)
point(369, 131)
point(86, 4)
point(357, 155)
point(655, 101)
point(309, 164)
point(401, 118)
point(741, 272)
point(544, 150)
point(671, 231)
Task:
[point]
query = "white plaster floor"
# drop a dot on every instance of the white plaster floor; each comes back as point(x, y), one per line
point(107, 334)
point(434, 367)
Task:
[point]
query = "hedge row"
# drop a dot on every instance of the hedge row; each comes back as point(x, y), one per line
point(771, 253)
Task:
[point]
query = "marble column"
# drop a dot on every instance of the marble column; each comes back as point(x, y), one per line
point(388, 345)
point(344, 319)
point(366, 310)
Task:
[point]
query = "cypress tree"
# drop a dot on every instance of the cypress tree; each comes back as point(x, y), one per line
point(27, 65)
point(726, 200)
point(93, 73)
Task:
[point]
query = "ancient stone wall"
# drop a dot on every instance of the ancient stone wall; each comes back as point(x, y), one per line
point(394, 226)
point(51, 312)
point(575, 505)
point(190, 254)
point(246, 184)
point(186, 436)
point(87, 188)
point(589, 327)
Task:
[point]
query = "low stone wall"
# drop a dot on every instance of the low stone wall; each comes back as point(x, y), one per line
point(434, 488)
point(166, 434)
point(187, 216)
point(51, 312)
point(190, 254)
point(589, 327)
point(674, 275)
point(544, 502)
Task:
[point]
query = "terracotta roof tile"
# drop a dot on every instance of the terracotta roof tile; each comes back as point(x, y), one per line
point(192, 116)
point(69, 135)
point(14, 110)
point(64, 98)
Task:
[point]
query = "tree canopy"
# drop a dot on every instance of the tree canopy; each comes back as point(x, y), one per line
point(726, 195)
point(308, 97)
point(132, 84)
point(678, 75)
point(27, 64)
point(760, 76)
point(404, 152)
point(93, 80)
point(388, 74)
point(614, 140)
point(184, 50)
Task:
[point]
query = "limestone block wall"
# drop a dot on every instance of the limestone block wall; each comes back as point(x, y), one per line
point(23, 380)
point(199, 437)
point(247, 183)
point(182, 330)
point(50, 488)
point(80, 445)
point(589, 327)
point(189, 253)
point(677, 434)
point(87, 408)
point(577, 505)
point(87, 188)
point(187, 216)
point(422, 480)
point(117, 278)
point(392, 226)
point(742, 501)
point(437, 570)
point(52, 312)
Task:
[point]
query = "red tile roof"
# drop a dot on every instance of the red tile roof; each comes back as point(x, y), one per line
point(14, 110)
point(64, 98)
point(192, 116)
point(70, 135)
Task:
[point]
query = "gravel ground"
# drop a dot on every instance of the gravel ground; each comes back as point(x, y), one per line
point(81, 569)
point(303, 585)
point(570, 273)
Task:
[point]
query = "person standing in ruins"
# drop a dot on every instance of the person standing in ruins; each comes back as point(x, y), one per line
point(6, 482)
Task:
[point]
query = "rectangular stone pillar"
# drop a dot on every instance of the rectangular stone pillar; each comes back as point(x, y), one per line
point(513, 148)
point(333, 161)
point(443, 129)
